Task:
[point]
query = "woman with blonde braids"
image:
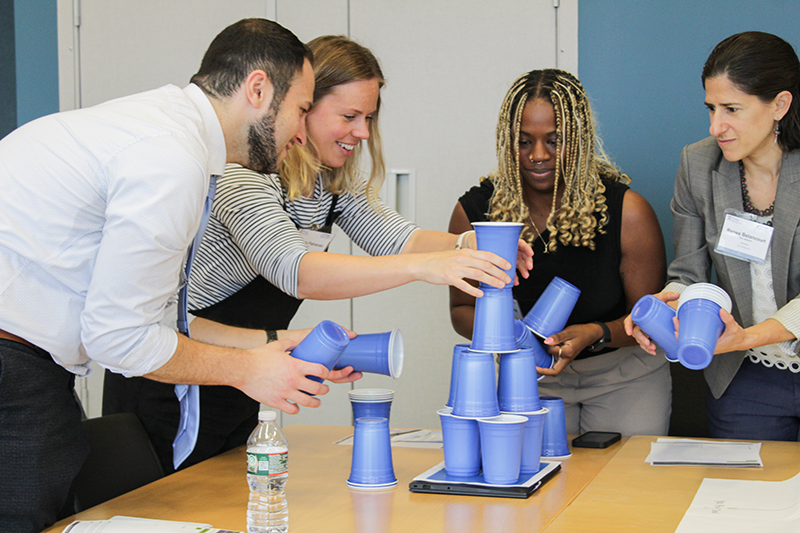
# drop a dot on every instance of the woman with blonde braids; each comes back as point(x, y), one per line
point(587, 227)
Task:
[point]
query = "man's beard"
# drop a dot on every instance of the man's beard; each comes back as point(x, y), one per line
point(262, 155)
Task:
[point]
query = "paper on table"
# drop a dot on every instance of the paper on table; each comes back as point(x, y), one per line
point(704, 452)
point(738, 506)
point(407, 438)
point(128, 524)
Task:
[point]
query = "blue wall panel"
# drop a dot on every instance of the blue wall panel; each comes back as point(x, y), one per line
point(640, 62)
point(36, 37)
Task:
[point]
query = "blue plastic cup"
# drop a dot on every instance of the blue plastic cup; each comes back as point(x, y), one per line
point(457, 350)
point(493, 328)
point(324, 345)
point(517, 387)
point(501, 448)
point(371, 466)
point(526, 339)
point(554, 431)
point(476, 393)
point(377, 353)
point(700, 328)
point(532, 438)
point(501, 238)
point(654, 317)
point(551, 311)
point(462, 445)
point(371, 403)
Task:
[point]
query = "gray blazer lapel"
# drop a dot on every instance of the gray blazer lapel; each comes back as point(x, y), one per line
point(785, 220)
point(728, 193)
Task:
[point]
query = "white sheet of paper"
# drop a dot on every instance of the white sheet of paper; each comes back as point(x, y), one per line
point(704, 452)
point(739, 506)
point(128, 524)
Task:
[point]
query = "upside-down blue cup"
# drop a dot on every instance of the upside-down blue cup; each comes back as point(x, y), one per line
point(551, 311)
point(526, 339)
point(476, 392)
point(654, 317)
point(517, 387)
point(371, 467)
point(554, 431)
point(493, 327)
point(700, 328)
point(457, 350)
point(462, 445)
point(324, 345)
point(532, 438)
point(501, 238)
point(700, 324)
point(501, 448)
point(378, 353)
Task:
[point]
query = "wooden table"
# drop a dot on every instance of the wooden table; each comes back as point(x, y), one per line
point(216, 492)
point(629, 495)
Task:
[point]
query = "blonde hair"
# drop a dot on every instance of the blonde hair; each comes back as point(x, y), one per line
point(337, 60)
point(573, 222)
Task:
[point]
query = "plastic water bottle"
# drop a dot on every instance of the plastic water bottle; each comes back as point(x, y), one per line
point(267, 472)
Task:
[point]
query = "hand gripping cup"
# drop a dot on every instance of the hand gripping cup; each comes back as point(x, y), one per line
point(501, 448)
point(324, 345)
point(476, 392)
point(551, 311)
point(371, 403)
point(526, 339)
point(532, 438)
point(457, 350)
point(501, 238)
point(654, 317)
point(378, 353)
point(517, 387)
point(493, 328)
point(554, 431)
point(700, 324)
point(462, 445)
point(371, 467)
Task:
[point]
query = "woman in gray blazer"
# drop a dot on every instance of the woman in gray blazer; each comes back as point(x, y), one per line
point(749, 169)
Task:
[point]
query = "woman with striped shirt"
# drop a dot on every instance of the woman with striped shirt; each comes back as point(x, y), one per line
point(263, 251)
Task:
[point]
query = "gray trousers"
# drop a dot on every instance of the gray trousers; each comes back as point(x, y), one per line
point(627, 390)
point(42, 442)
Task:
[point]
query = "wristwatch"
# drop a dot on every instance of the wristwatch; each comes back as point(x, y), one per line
point(604, 340)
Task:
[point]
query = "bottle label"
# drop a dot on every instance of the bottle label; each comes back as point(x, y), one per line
point(268, 464)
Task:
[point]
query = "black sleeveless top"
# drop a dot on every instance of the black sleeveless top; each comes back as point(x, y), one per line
point(594, 272)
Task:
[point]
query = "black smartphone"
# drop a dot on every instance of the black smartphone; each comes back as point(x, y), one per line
point(596, 439)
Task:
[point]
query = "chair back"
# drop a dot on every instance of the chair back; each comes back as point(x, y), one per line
point(121, 459)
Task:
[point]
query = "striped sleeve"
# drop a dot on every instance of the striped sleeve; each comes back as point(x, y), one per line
point(249, 234)
point(377, 233)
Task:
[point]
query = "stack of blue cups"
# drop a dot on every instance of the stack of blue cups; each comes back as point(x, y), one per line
point(478, 438)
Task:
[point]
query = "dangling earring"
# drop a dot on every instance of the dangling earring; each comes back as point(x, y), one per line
point(777, 132)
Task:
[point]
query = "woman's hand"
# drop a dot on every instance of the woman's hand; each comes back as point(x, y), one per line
point(524, 260)
point(565, 345)
point(453, 267)
point(641, 337)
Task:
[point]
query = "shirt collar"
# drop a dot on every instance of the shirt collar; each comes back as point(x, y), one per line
point(216, 139)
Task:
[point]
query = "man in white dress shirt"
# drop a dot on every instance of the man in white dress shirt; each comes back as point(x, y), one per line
point(98, 209)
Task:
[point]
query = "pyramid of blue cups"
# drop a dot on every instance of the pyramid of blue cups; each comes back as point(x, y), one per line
point(493, 424)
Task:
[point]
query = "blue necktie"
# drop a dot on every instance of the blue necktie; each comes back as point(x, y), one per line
point(189, 395)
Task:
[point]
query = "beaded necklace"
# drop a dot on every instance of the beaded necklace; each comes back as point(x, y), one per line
point(748, 206)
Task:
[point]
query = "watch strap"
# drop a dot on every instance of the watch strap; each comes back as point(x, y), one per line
point(604, 340)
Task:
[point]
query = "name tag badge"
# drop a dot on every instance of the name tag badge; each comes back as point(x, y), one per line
point(744, 238)
point(316, 241)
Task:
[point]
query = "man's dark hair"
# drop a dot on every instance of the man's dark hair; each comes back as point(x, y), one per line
point(248, 45)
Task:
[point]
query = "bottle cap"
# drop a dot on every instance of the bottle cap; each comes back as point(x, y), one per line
point(267, 415)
